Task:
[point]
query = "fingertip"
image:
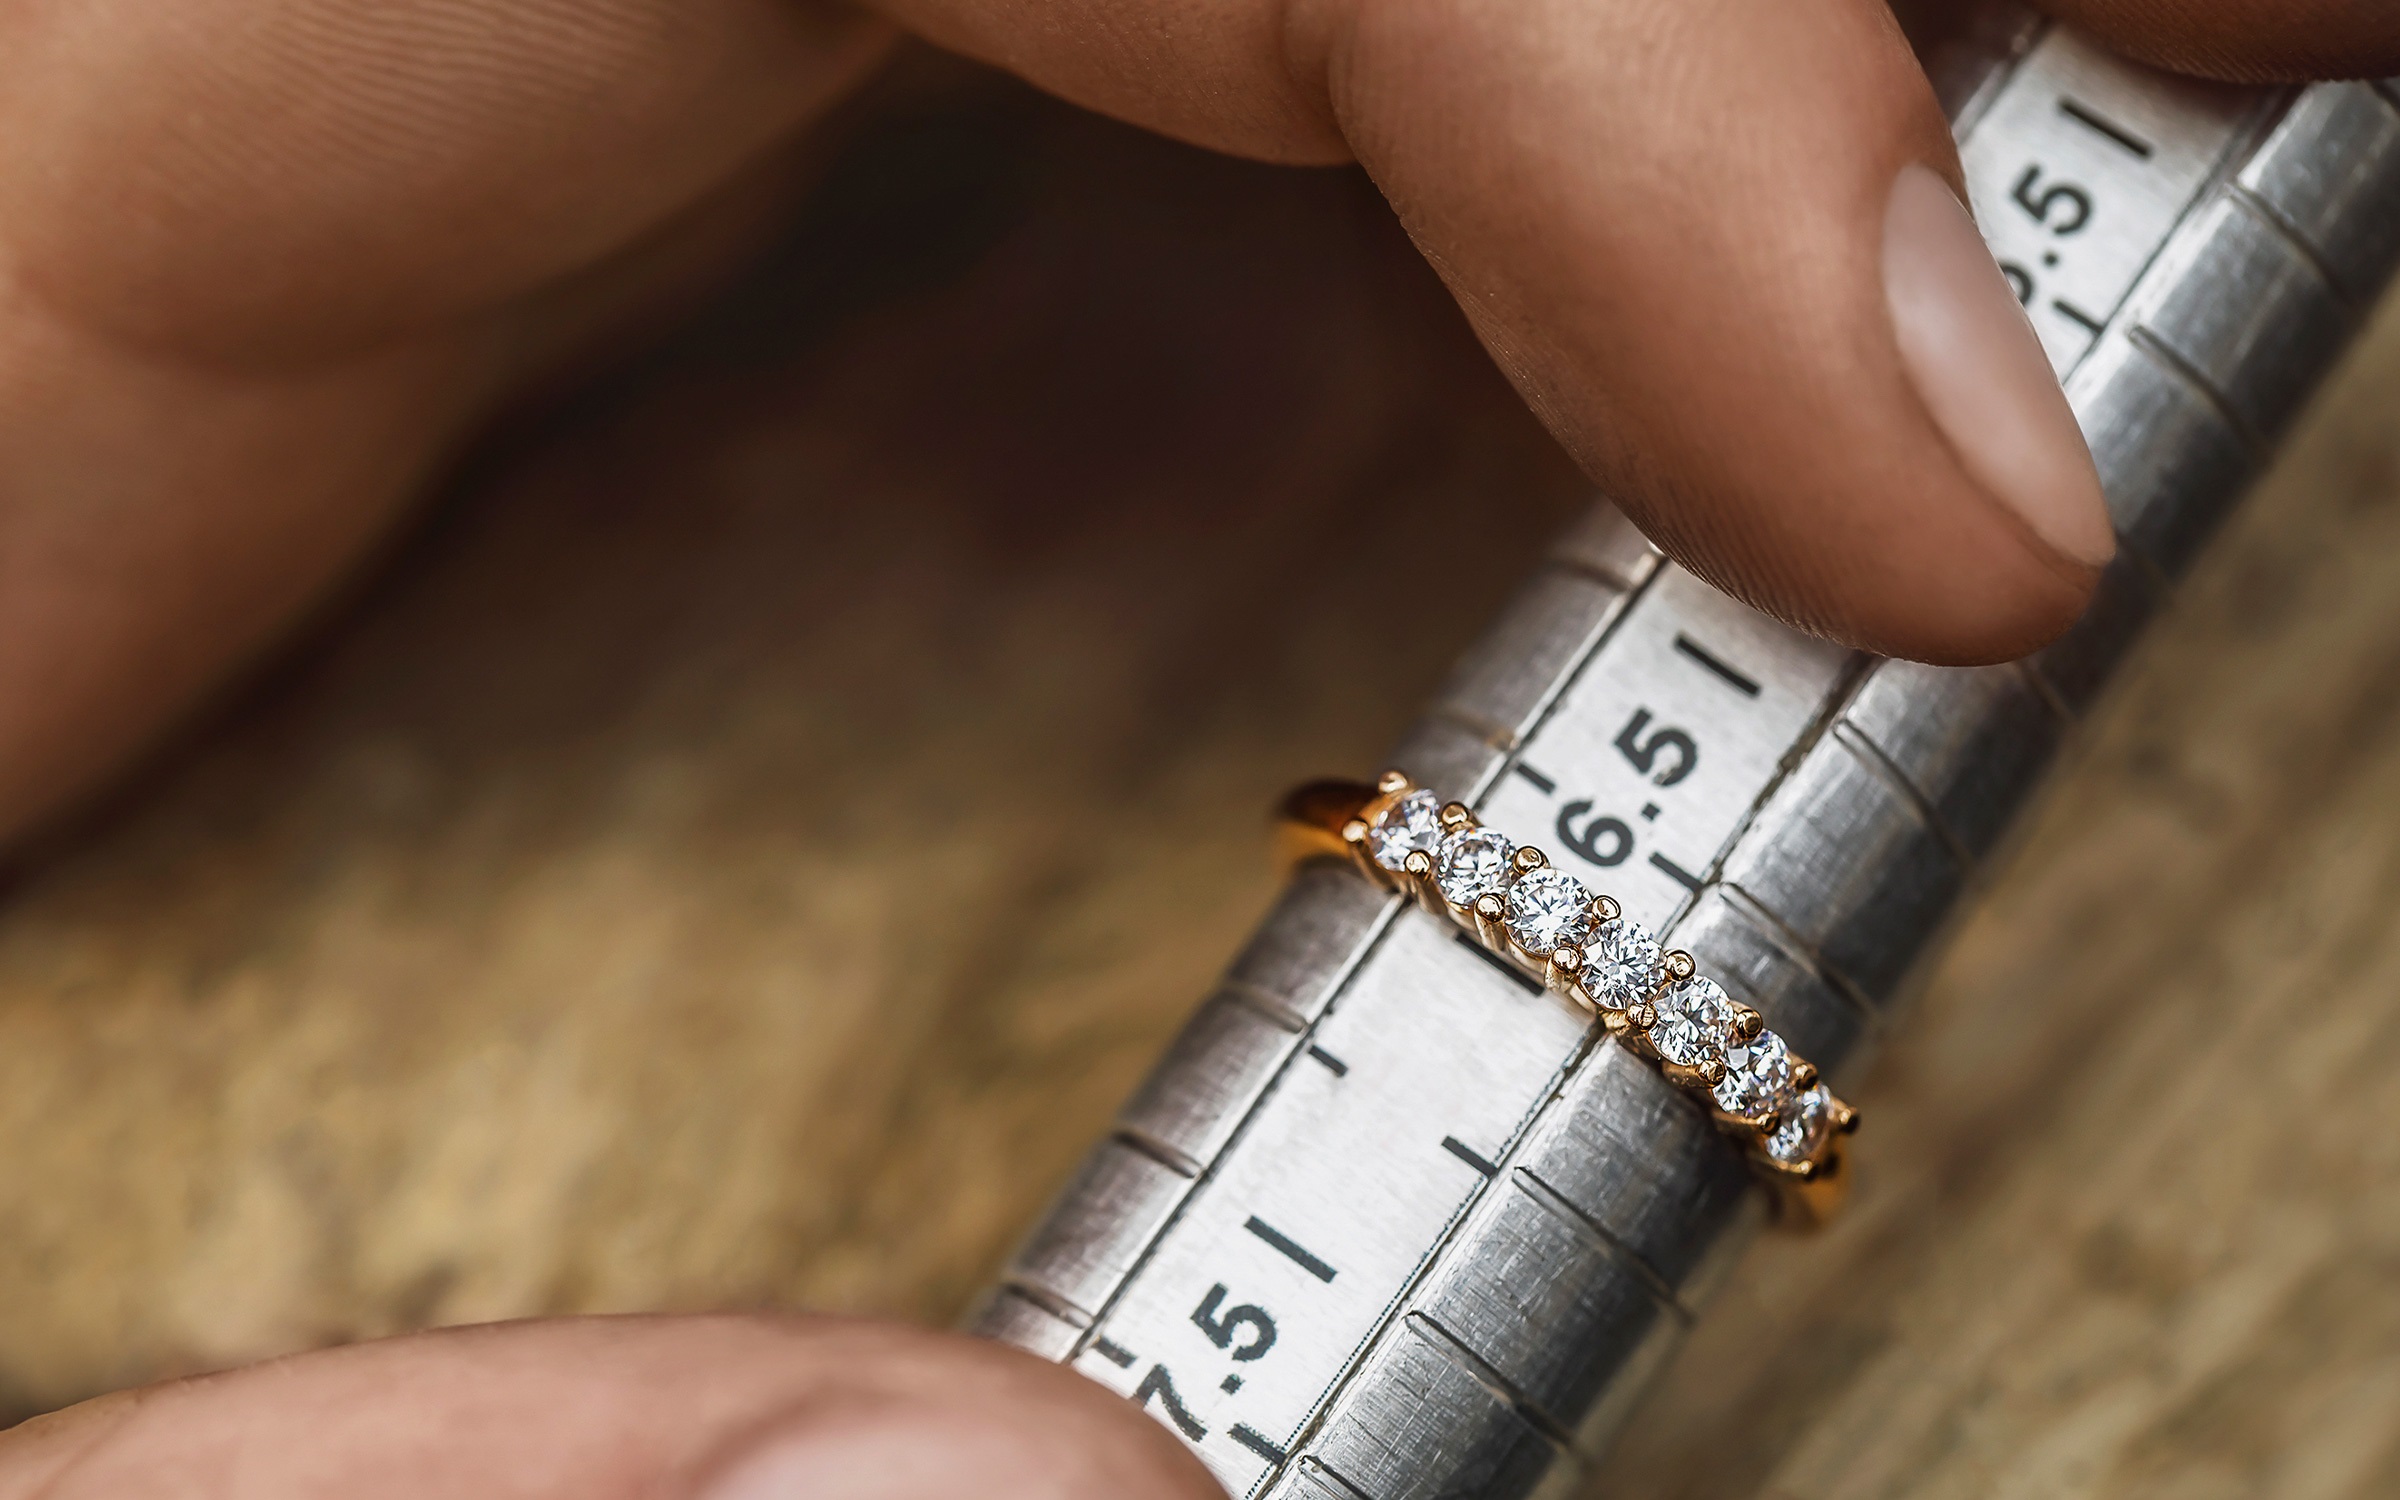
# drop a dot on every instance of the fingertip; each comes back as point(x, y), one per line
point(880, 1448)
point(961, 1416)
point(1973, 593)
point(646, 1408)
point(1982, 375)
point(2247, 41)
point(1998, 608)
point(1761, 316)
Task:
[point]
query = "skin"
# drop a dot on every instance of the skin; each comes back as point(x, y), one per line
point(612, 1409)
point(265, 264)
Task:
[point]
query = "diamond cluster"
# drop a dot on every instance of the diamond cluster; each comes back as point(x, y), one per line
point(1648, 997)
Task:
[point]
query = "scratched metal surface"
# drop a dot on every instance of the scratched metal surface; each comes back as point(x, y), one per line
point(542, 936)
point(1495, 1252)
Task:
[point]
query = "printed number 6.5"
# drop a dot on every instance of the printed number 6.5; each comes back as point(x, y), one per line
point(1644, 754)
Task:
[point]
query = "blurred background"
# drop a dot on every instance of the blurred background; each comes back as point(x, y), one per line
point(739, 848)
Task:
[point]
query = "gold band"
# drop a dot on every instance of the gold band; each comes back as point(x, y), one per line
point(1549, 926)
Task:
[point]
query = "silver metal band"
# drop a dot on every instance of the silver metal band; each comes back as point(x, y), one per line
point(1386, 1224)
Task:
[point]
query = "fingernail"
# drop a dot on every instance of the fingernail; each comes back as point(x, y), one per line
point(1981, 372)
point(878, 1451)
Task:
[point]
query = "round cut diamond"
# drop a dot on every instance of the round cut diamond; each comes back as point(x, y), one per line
point(1695, 1023)
point(1624, 964)
point(1411, 824)
point(1472, 863)
point(1547, 908)
point(1758, 1077)
point(1802, 1132)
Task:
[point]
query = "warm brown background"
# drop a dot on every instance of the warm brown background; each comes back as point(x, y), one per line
point(740, 850)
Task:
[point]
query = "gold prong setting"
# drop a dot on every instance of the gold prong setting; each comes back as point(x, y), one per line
point(1473, 862)
point(1547, 908)
point(1581, 944)
point(1626, 966)
point(1403, 821)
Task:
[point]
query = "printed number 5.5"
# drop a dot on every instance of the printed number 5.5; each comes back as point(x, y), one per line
point(2066, 195)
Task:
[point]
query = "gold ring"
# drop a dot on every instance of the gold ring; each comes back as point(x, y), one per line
point(1581, 945)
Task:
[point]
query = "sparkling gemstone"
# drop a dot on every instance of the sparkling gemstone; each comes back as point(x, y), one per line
point(1547, 908)
point(1408, 825)
point(1805, 1123)
point(1625, 964)
point(1695, 1023)
point(1758, 1077)
point(1472, 863)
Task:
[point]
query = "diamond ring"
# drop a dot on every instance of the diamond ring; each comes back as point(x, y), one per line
point(1581, 945)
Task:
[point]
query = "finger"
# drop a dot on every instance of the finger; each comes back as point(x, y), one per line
point(1715, 244)
point(264, 262)
point(255, 181)
point(617, 1409)
point(2248, 40)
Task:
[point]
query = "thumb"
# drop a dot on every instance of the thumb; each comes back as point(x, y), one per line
point(701, 1408)
point(1716, 244)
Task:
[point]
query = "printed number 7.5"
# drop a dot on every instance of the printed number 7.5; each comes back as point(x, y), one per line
point(1222, 1330)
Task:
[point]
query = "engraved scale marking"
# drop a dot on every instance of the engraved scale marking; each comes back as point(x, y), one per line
point(1431, 1063)
point(2077, 180)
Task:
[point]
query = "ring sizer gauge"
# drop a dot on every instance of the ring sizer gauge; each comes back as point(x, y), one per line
point(1390, 1221)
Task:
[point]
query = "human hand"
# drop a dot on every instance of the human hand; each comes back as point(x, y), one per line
point(269, 261)
point(697, 1408)
point(236, 352)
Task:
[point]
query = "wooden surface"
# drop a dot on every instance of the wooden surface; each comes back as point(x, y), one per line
point(741, 850)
